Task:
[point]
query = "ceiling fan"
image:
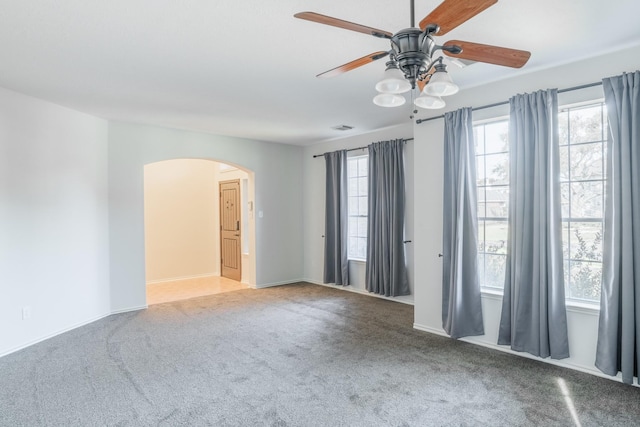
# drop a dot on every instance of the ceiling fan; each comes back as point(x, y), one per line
point(412, 57)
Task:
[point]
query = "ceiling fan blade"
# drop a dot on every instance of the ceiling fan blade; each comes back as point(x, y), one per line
point(490, 54)
point(451, 13)
point(353, 64)
point(328, 20)
point(422, 83)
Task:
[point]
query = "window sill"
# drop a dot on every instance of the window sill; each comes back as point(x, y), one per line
point(360, 261)
point(573, 306)
point(491, 293)
point(581, 307)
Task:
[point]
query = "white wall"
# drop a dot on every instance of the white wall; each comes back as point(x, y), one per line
point(314, 204)
point(277, 172)
point(54, 255)
point(428, 157)
point(181, 220)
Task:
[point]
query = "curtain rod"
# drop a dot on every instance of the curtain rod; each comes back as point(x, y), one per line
point(506, 102)
point(359, 148)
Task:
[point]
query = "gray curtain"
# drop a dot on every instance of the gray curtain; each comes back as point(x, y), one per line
point(386, 271)
point(336, 264)
point(618, 347)
point(461, 300)
point(534, 317)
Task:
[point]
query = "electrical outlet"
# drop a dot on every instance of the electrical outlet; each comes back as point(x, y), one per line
point(26, 313)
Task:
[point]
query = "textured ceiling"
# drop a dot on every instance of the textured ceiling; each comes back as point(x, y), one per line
point(247, 68)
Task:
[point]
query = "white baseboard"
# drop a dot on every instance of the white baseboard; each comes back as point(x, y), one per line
point(431, 330)
point(476, 341)
point(270, 285)
point(69, 328)
point(175, 279)
point(127, 310)
point(53, 334)
point(357, 291)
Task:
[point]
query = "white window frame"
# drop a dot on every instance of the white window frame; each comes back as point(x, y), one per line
point(482, 219)
point(574, 304)
point(355, 211)
point(569, 238)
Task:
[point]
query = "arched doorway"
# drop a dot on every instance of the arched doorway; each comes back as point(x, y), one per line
point(183, 229)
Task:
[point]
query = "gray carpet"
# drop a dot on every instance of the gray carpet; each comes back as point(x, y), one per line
point(296, 355)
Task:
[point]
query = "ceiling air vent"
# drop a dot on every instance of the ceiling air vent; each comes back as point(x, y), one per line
point(342, 127)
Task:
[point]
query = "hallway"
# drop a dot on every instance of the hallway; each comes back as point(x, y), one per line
point(190, 288)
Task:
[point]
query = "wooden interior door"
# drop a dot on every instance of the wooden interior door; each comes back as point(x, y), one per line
point(230, 234)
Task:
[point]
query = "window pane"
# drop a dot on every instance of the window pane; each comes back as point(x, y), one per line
point(586, 199)
point(497, 137)
point(586, 241)
point(563, 127)
point(363, 166)
point(566, 239)
point(495, 266)
point(352, 167)
point(357, 190)
point(362, 227)
point(582, 170)
point(481, 271)
point(567, 278)
point(353, 247)
point(362, 186)
point(492, 178)
point(586, 161)
point(362, 205)
point(353, 186)
point(585, 124)
point(497, 169)
point(478, 138)
point(362, 247)
point(497, 199)
point(353, 227)
point(585, 280)
point(353, 206)
point(565, 199)
point(480, 175)
point(496, 237)
point(564, 164)
point(481, 233)
point(481, 204)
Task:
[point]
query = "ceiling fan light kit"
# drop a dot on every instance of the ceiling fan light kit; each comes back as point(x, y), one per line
point(413, 59)
point(389, 100)
point(429, 102)
point(393, 80)
point(440, 83)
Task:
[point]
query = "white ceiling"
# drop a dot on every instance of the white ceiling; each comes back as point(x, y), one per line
point(247, 68)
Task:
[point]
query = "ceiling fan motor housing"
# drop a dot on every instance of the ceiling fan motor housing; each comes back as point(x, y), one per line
point(412, 49)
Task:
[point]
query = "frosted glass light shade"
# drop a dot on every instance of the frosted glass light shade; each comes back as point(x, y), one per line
point(393, 81)
point(429, 102)
point(389, 100)
point(441, 84)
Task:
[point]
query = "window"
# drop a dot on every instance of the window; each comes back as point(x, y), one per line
point(492, 166)
point(582, 180)
point(357, 168)
point(582, 145)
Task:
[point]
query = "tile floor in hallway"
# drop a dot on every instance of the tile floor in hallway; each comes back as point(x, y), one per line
point(176, 290)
